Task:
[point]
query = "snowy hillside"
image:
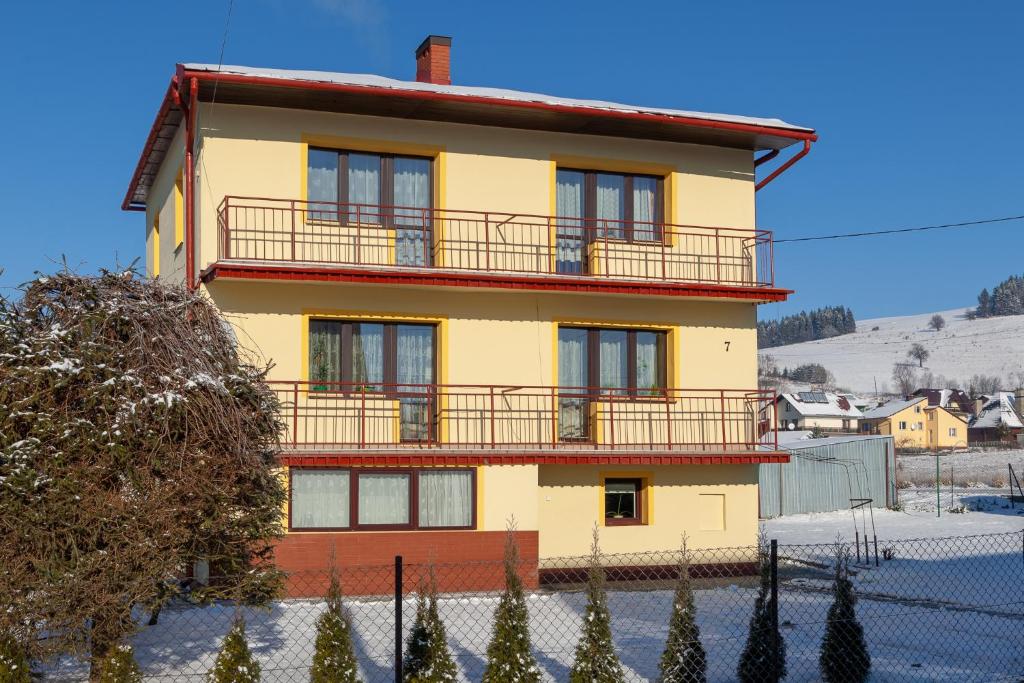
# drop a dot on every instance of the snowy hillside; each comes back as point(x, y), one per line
point(990, 346)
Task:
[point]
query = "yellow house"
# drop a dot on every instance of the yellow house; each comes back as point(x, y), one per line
point(480, 304)
point(914, 424)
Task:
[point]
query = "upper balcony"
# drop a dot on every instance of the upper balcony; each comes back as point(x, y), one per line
point(290, 239)
point(389, 424)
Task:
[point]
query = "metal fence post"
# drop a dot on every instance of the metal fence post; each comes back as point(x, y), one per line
point(775, 604)
point(399, 674)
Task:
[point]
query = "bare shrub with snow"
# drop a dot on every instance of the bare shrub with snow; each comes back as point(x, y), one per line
point(134, 440)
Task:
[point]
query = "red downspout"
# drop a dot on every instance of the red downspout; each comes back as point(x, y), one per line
point(189, 177)
point(767, 157)
point(781, 169)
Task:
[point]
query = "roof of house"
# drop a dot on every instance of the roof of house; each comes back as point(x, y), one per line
point(821, 404)
point(892, 407)
point(380, 96)
point(954, 399)
point(370, 80)
point(997, 409)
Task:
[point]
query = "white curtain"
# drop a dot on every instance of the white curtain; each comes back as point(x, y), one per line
point(572, 357)
point(324, 352)
point(383, 498)
point(647, 376)
point(415, 367)
point(569, 212)
point(572, 372)
point(610, 205)
point(319, 498)
point(613, 359)
point(446, 499)
point(322, 183)
point(364, 187)
point(412, 189)
point(367, 354)
point(645, 192)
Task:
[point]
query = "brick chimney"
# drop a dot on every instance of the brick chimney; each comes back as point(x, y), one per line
point(433, 60)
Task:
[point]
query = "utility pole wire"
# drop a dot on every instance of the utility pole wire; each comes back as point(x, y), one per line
point(875, 233)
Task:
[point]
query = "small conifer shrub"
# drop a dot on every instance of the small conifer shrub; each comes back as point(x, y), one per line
point(595, 660)
point(119, 666)
point(334, 660)
point(844, 655)
point(235, 663)
point(509, 659)
point(684, 659)
point(14, 664)
point(427, 658)
point(764, 656)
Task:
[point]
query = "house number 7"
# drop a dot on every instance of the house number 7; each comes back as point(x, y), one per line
point(727, 345)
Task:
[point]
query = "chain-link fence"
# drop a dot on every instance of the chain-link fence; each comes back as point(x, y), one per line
point(931, 609)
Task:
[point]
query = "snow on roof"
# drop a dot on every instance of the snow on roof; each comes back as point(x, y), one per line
point(801, 444)
point(998, 409)
point(892, 407)
point(370, 80)
point(821, 404)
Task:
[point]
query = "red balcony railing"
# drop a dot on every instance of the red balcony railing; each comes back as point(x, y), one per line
point(332, 415)
point(295, 231)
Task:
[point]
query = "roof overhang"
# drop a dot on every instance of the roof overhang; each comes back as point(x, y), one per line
point(438, 104)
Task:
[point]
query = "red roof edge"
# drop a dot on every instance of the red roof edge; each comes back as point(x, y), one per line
point(154, 132)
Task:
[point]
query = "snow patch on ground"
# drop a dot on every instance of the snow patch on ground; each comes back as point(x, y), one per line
point(990, 346)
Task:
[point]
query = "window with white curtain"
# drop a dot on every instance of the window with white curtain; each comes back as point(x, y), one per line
point(376, 189)
point(372, 356)
point(604, 205)
point(611, 360)
point(319, 499)
point(401, 498)
point(446, 498)
point(383, 498)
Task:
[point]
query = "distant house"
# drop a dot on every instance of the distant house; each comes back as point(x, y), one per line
point(955, 401)
point(817, 410)
point(913, 423)
point(997, 418)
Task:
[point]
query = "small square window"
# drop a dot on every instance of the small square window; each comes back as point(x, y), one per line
point(952, 431)
point(623, 501)
point(903, 425)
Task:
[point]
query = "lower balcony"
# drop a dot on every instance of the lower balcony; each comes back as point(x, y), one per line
point(486, 424)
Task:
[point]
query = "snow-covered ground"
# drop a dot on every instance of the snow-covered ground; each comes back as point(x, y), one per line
point(964, 348)
point(936, 610)
point(966, 469)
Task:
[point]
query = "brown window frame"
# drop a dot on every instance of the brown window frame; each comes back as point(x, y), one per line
point(414, 508)
point(390, 350)
point(594, 358)
point(640, 518)
point(591, 221)
point(387, 181)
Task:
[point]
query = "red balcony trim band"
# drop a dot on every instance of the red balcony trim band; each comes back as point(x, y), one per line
point(485, 280)
point(441, 459)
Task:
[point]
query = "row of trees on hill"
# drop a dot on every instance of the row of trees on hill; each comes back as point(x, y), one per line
point(820, 323)
point(1006, 299)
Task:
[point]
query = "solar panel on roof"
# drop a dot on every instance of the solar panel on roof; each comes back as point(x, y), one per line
point(806, 396)
point(818, 397)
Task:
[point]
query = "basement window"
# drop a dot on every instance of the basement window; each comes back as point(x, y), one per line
point(623, 501)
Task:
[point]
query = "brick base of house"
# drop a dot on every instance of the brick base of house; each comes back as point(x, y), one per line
point(461, 560)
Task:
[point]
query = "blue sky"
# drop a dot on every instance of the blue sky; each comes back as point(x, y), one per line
point(918, 105)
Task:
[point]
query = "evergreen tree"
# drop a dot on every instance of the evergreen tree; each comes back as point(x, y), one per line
point(684, 659)
point(760, 662)
point(334, 660)
point(595, 660)
point(844, 654)
point(509, 659)
point(235, 663)
point(427, 659)
point(14, 665)
point(120, 666)
point(984, 304)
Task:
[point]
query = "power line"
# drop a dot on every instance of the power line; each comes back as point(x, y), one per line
point(895, 231)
